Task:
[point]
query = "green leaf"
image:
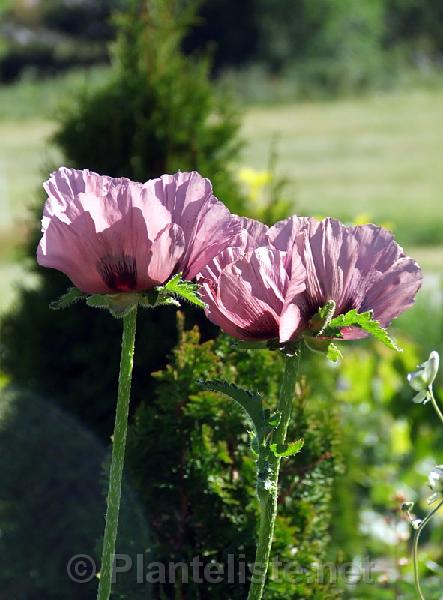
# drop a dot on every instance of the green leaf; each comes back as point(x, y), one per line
point(119, 305)
point(285, 450)
point(274, 419)
point(323, 317)
point(334, 354)
point(251, 402)
point(71, 296)
point(323, 346)
point(363, 320)
point(185, 290)
point(98, 301)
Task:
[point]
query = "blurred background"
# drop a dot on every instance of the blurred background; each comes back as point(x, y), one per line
point(320, 107)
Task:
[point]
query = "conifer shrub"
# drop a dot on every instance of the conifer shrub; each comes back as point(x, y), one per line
point(190, 458)
point(158, 113)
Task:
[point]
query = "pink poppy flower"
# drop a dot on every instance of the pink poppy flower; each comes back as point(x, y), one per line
point(248, 289)
point(276, 285)
point(360, 268)
point(114, 235)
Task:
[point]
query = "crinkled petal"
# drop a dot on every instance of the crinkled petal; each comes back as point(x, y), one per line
point(216, 314)
point(74, 250)
point(357, 267)
point(393, 291)
point(166, 251)
point(207, 224)
point(290, 320)
point(252, 235)
point(102, 232)
point(247, 292)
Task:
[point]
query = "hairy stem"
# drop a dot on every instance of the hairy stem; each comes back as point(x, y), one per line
point(118, 455)
point(267, 480)
point(415, 547)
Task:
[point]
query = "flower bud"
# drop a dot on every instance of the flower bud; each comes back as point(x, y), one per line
point(422, 379)
point(416, 523)
point(407, 507)
point(436, 479)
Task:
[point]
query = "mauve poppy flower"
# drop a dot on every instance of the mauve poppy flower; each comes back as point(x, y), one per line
point(248, 289)
point(114, 235)
point(360, 268)
point(294, 268)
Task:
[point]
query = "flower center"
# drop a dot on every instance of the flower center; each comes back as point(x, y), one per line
point(119, 272)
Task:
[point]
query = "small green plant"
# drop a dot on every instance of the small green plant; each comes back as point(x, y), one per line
point(202, 500)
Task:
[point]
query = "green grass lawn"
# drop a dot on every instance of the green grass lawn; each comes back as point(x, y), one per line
point(23, 155)
point(379, 156)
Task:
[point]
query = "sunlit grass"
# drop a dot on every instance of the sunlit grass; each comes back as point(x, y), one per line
point(378, 155)
point(23, 155)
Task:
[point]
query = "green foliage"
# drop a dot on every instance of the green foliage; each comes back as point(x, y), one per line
point(286, 450)
point(190, 455)
point(365, 321)
point(251, 402)
point(156, 112)
point(59, 35)
point(71, 296)
point(121, 304)
point(321, 320)
point(334, 353)
point(184, 290)
point(386, 442)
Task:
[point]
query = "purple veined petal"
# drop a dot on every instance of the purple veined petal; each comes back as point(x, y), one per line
point(107, 235)
point(291, 317)
point(252, 235)
point(290, 321)
point(208, 280)
point(245, 296)
point(113, 260)
point(353, 333)
point(393, 291)
point(214, 269)
point(75, 251)
point(252, 315)
point(360, 268)
point(215, 313)
point(207, 224)
point(166, 251)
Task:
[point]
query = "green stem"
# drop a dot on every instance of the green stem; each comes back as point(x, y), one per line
point(415, 548)
point(118, 455)
point(267, 481)
point(435, 405)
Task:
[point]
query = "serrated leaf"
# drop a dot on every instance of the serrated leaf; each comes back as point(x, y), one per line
point(98, 301)
point(71, 296)
point(285, 450)
point(365, 321)
point(274, 419)
point(167, 301)
point(251, 402)
point(119, 305)
point(323, 317)
point(185, 290)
